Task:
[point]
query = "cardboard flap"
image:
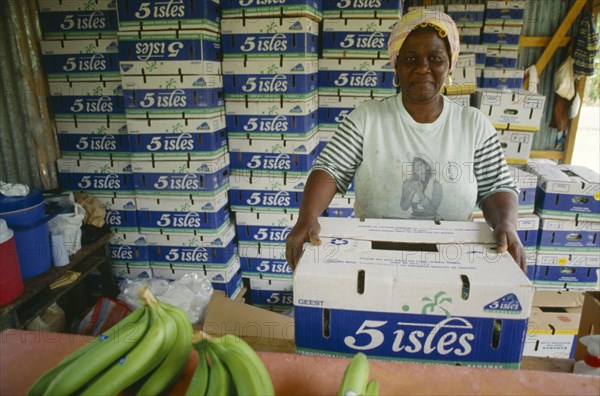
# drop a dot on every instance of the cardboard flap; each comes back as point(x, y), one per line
point(557, 299)
point(581, 172)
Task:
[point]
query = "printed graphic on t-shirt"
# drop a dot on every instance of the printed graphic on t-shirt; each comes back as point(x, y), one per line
point(421, 192)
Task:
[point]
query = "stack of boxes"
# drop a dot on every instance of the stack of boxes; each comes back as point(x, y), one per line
point(270, 71)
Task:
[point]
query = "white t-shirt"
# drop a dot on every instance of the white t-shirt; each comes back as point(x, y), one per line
point(404, 169)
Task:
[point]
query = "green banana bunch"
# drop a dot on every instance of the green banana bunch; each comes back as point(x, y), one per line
point(356, 378)
point(232, 367)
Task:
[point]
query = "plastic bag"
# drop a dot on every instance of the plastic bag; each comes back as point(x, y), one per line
point(106, 313)
point(564, 79)
point(52, 319)
point(191, 293)
point(67, 224)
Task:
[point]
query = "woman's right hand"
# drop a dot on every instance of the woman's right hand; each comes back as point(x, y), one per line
point(303, 231)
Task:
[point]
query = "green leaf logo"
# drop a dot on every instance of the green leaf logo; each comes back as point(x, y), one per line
point(436, 304)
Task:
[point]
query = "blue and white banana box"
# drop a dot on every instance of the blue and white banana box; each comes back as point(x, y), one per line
point(504, 79)
point(501, 57)
point(72, 60)
point(516, 145)
point(479, 50)
point(527, 184)
point(567, 270)
point(180, 96)
point(263, 260)
point(290, 120)
point(354, 77)
point(178, 139)
point(93, 139)
point(569, 236)
point(266, 193)
point(168, 14)
point(341, 206)
point(356, 38)
point(76, 19)
point(100, 177)
point(254, 38)
point(121, 212)
point(181, 178)
point(88, 101)
point(516, 110)
point(466, 15)
point(274, 294)
point(270, 79)
point(431, 7)
point(334, 109)
point(196, 216)
point(276, 157)
point(464, 79)
point(384, 9)
point(171, 52)
point(411, 290)
point(270, 8)
point(506, 13)
point(528, 231)
point(470, 34)
point(567, 192)
point(501, 36)
point(128, 253)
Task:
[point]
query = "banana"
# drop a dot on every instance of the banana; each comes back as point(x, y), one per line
point(232, 341)
point(220, 379)
point(143, 357)
point(244, 374)
point(199, 383)
point(171, 367)
point(372, 388)
point(109, 347)
point(355, 377)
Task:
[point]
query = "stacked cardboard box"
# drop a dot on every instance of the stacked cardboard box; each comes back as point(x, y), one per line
point(270, 68)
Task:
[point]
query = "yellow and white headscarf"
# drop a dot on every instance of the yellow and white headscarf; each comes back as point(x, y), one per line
point(422, 17)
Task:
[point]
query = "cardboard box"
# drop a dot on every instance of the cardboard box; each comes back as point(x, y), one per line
point(504, 36)
point(447, 299)
point(527, 184)
point(480, 51)
point(61, 19)
point(264, 227)
point(282, 8)
point(590, 320)
point(469, 34)
point(353, 77)
point(503, 78)
point(466, 14)
point(567, 192)
point(129, 271)
point(263, 259)
point(93, 139)
point(100, 101)
point(121, 213)
point(253, 38)
point(231, 288)
point(268, 193)
point(501, 57)
point(262, 329)
point(508, 13)
point(183, 14)
point(292, 120)
point(171, 52)
point(563, 236)
point(553, 324)
point(274, 294)
point(516, 146)
point(435, 7)
point(101, 177)
point(461, 100)
point(222, 273)
point(356, 38)
point(178, 139)
point(514, 110)
point(197, 96)
point(464, 78)
point(567, 271)
point(72, 60)
point(385, 9)
point(334, 109)
point(129, 249)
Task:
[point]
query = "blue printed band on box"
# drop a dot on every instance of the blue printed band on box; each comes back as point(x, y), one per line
point(505, 12)
point(480, 51)
point(178, 139)
point(334, 109)
point(567, 192)
point(171, 52)
point(279, 157)
point(264, 227)
point(62, 19)
point(166, 249)
point(569, 236)
point(121, 213)
point(99, 176)
point(269, 79)
point(266, 193)
point(182, 178)
point(569, 271)
point(93, 139)
point(390, 9)
point(254, 38)
point(419, 305)
point(503, 36)
point(263, 259)
point(128, 249)
point(501, 57)
point(466, 14)
point(502, 78)
point(87, 101)
point(356, 38)
point(353, 77)
point(80, 59)
point(260, 8)
point(293, 120)
point(173, 96)
point(208, 215)
point(172, 14)
point(469, 35)
point(271, 293)
point(510, 109)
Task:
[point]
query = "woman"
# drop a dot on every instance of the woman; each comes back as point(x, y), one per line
point(376, 143)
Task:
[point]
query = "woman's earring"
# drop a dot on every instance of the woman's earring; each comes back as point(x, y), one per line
point(396, 81)
point(449, 78)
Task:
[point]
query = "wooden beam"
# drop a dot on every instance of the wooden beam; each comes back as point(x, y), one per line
point(560, 33)
point(533, 41)
point(574, 124)
point(547, 154)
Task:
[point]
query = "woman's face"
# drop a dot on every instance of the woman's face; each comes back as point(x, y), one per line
point(422, 65)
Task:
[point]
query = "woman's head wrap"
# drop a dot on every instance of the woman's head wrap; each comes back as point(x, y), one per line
point(422, 17)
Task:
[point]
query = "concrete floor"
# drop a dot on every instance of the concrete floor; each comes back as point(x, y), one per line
point(587, 141)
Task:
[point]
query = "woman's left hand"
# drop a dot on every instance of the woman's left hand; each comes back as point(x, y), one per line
point(507, 238)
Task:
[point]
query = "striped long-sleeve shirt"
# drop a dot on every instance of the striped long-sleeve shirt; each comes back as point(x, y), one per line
point(404, 169)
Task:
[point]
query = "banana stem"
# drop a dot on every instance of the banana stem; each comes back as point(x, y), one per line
point(200, 336)
point(146, 295)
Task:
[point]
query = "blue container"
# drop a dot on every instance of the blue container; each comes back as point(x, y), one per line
point(27, 218)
